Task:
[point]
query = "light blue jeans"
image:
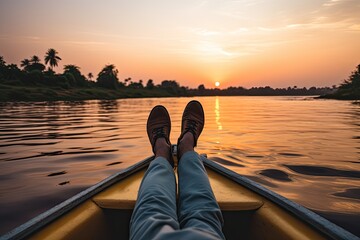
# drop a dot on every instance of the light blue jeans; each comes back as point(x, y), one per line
point(156, 214)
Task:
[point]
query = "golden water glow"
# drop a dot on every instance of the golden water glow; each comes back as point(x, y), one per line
point(217, 113)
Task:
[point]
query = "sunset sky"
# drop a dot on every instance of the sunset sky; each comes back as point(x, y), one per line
point(246, 43)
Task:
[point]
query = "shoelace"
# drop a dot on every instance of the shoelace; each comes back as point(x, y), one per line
point(158, 133)
point(191, 126)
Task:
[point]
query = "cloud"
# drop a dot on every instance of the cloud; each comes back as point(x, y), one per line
point(340, 13)
point(331, 3)
point(85, 42)
point(211, 48)
point(35, 38)
point(205, 32)
point(333, 15)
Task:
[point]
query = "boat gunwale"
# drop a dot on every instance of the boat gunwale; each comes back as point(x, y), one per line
point(321, 224)
point(57, 211)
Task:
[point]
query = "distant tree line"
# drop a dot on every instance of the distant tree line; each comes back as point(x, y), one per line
point(262, 91)
point(33, 72)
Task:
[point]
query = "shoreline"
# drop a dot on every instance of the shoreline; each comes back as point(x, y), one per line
point(10, 93)
point(16, 93)
point(343, 97)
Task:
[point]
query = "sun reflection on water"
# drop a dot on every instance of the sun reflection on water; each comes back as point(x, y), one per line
point(217, 114)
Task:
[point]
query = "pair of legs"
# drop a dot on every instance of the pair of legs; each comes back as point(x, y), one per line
point(157, 213)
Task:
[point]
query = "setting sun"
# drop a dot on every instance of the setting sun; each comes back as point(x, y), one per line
point(217, 84)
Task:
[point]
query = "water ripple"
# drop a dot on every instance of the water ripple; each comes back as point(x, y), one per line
point(353, 193)
point(56, 173)
point(226, 162)
point(276, 175)
point(323, 171)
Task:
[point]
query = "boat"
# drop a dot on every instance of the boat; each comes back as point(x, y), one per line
point(250, 210)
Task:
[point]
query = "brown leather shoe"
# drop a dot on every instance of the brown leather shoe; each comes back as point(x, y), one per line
point(159, 126)
point(193, 121)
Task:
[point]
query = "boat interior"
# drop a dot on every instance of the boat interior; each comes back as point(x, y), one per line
point(246, 214)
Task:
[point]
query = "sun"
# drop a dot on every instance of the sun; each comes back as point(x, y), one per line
point(217, 84)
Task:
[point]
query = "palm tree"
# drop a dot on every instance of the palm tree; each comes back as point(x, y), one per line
point(90, 76)
point(109, 70)
point(71, 68)
point(127, 80)
point(25, 63)
point(35, 59)
point(75, 72)
point(52, 58)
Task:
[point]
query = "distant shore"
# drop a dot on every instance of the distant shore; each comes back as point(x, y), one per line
point(44, 93)
point(342, 95)
point(47, 93)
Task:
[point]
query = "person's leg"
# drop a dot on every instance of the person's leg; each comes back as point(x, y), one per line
point(155, 209)
point(197, 207)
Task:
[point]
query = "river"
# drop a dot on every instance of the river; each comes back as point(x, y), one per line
point(304, 149)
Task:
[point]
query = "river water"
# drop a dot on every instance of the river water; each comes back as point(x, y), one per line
point(304, 149)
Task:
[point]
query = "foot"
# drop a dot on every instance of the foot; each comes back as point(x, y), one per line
point(192, 124)
point(158, 129)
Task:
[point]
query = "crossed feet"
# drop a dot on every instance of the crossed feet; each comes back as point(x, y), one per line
point(159, 127)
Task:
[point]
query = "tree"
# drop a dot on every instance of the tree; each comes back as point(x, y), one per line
point(150, 84)
point(201, 87)
point(172, 84)
point(71, 68)
point(35, 66)
point(107, 77)
point(14, 73)
point(90, 76)
point(136, 85)
point(52, 58)
point(2, 61)
point(353, 81)
point(35, 59)
point(75, 71)
point(172, 87)
point(2, 67)
point(127, 80)
point(32, 64)
point(25, 63)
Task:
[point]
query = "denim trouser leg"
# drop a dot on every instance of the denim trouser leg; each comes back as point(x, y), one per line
point(155, 209)
point(198, 208)
point(154, 215)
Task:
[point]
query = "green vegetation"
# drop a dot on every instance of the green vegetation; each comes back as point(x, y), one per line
point(35, 82)
point(52, 58)
point(349, 89)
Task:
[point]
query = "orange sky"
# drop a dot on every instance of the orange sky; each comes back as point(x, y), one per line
point(246, 43)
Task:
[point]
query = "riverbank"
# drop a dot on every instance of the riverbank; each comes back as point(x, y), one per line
point(349, 89)
point(343, 95)
point(44, 93)
point(19, 92)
